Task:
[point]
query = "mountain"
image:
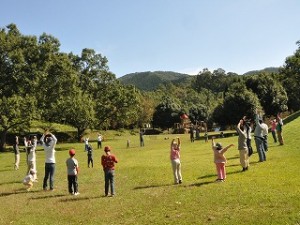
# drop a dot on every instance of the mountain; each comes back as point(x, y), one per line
point(149, 81)
point(267, 70)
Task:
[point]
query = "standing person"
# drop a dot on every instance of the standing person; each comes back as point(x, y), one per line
point(72, 171)
point(99, 141)
point(273, 129)
point(242, 145)
point(90, 156)
point(48, 141)
point(31, 155)
point(220, 159)
point(108, 162)
point(248, 128)
point(175, 160)
point(265, 132)
point(192, 137)
point(259, 139)
point(142, 132)
point(279, 129)
point(86, 143)
point(17, 152)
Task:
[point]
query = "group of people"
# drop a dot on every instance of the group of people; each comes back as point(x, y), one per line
point(244, 130)
point(108, 160)
point(48, 142)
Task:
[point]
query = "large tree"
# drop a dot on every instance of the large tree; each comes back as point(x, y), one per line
point(290, 74)
point(167, 113)
point(16, 112)
point(238, 102)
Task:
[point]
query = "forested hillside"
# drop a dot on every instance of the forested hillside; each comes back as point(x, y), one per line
point(149, 81)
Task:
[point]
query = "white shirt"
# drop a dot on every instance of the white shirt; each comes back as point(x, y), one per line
point(49, 149)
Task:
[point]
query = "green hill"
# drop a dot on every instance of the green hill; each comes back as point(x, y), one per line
point(148, 81)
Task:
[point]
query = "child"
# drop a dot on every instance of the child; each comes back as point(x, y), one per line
point(72, 170)
point(108, 162)
point(29, 179)
point(220, 159)
point(90, 155)
point(175, 160)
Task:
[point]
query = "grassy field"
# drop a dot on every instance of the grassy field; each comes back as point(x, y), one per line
point(269, 193)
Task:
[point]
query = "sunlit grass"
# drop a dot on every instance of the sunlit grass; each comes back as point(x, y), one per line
point(268, 193)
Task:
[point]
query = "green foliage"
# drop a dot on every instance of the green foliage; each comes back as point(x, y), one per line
point(291, 79)
point(238, 102)
point(149, 81)
point(167, 113)
point(270, 92)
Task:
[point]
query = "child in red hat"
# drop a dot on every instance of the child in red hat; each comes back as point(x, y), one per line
point(108, 162)
point(72, 170)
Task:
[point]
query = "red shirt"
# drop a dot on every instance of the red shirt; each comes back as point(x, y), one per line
point(108, 162)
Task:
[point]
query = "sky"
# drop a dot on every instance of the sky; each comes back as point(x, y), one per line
point(183, 36)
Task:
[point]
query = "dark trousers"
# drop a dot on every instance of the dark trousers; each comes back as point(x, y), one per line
point(49, 174)
point(109, 181)
point(72, 184)
point(90, 160)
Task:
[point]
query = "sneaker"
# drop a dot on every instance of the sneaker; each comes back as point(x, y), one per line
point(180, 181)
point(76, 193)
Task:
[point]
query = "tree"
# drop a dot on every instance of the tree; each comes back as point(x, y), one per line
point(77, 110)
point(290, 73)
point(269, 91)
point(167, 113)
point(238, 102)
point(16, 113)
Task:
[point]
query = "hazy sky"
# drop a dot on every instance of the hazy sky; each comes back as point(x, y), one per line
point(169, 35)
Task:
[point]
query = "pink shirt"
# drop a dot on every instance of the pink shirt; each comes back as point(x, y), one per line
point(175, 153)
point(219, 156)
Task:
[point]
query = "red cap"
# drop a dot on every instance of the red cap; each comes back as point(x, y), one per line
point(72, 152)
point(107, 148)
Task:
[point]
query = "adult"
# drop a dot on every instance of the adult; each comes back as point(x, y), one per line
point(175, 160)
point(99, 141)
point(48, 141)
point(258, 137)
point(242, 145)
point(142, 143)
point(248, 128)
point(192, 133)
point(279, 129)
point(17, 152)
point(265, 132)
point(273, 129)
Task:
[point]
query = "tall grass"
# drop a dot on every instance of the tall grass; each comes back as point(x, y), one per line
point(269, 193)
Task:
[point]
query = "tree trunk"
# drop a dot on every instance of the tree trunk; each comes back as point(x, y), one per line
point(3, 140)
point(79, 134)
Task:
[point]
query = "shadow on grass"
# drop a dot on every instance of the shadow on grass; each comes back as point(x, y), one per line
point(152, 186)
point(201, 184)
point(235, 157)
point(212, 175)
point(11, 182)
point(19, 191)
point(76, 198)
point(48, 196)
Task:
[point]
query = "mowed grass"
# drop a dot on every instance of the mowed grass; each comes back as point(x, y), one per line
point(269, 193)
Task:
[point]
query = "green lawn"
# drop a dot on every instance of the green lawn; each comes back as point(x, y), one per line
point(269, 193)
